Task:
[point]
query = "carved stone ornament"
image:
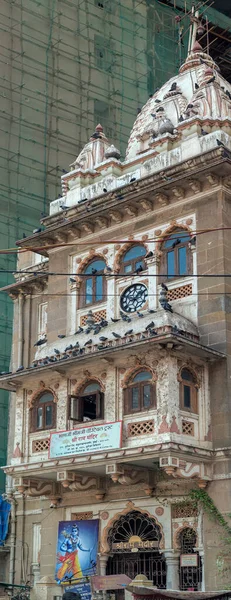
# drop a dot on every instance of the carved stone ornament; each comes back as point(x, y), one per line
point(41, 390)
point(130, 373)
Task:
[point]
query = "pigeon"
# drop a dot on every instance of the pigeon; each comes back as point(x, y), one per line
point(193, 240)
point(181, 118)
point(203, 132)
point(64, 207)
point(61, 336)
point(164, 287)
point(40, 342)
point(37, 230)
point(157, 101)
point(151, 311)
point(43, 215)
point(103, 339)
point(120, 196)
point(114, 320)
point(72, 280)
point(94, 271)
point(97, 330)
point(88, 330)
point(103, 323)
point(132, 179)
point(101, 347)
point(211, 80)
point(77, 345)
point(152, 332)
point(24, 236)
point(105, 190)
point(173, 86)
point(176, 242)
point(20, 369)
point(150, 325)
point(129, 332)
point(219, 143)
point(68, 348)
point(139, 269)
point(125, 318)
point(57, 351)
point(153, 115)
point(96, 135)
point(228, 94)
point(139, 314)
point(79, 330)
point(116, 335)
point(5, 372)
point(166, 306)
point(149, 254)
point(196, 86)
point(107, 270)
point(88, 343)
point(138, 111)
point(189, 106)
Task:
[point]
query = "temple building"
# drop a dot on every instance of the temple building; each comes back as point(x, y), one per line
point(120, 378)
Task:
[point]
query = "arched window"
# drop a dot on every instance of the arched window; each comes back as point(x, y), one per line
point(88, 405)
point(176, 255)
point(43, 413)
point(133, 259)
point(188, 391)
point(94, 283)
point(140, 395)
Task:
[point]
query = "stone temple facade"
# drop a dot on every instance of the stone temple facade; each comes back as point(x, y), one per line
point(122, 316)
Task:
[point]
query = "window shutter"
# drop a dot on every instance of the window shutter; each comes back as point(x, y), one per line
point(99, 398)
point(153, 395)
point(126, 401)
point(194, 400)
point(74, 415)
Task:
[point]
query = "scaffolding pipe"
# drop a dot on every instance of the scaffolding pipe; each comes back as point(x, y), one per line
point(20, 329)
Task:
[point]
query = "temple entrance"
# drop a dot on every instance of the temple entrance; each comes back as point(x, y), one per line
point(134, 543)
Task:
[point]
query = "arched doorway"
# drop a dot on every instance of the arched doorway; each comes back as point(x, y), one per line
point(134, 544)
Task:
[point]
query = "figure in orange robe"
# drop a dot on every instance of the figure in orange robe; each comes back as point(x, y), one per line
point(70, 566)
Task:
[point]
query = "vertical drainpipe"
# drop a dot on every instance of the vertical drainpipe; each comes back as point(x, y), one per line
point(20, 329)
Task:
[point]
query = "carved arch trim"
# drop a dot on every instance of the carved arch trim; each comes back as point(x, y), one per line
point(41, 390)
point(191, 370)
point(176, 536)
point(173, 226)
point(92, 255)
point(123, 249)
point(133, 371)
point(130, 506)
point(79, 386)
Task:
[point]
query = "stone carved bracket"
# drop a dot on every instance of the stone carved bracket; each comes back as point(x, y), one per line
point(180, 469)
point(35, 488)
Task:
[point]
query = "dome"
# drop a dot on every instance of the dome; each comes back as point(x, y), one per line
point(197, 91)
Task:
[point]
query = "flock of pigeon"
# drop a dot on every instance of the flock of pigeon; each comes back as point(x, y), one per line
point(74, 350)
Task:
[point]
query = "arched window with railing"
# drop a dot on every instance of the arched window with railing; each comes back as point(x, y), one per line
point(43, 412)
point(188, 390)
point(133, 259)
point(140, 393)
point(88, 404)
point(176, 255)
point(93, 288)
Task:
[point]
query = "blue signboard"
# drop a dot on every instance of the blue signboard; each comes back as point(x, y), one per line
point(84, 589)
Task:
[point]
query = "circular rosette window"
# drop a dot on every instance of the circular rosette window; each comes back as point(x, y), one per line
point(133, 298)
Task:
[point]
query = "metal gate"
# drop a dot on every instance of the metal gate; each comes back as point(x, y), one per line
point(151, 564)
point(190, 577)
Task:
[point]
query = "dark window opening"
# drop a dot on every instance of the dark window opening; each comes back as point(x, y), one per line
point(88, 406)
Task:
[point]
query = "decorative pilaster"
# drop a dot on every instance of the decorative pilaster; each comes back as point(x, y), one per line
point(103, 563)
point(153, 265)
point(172, 563)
